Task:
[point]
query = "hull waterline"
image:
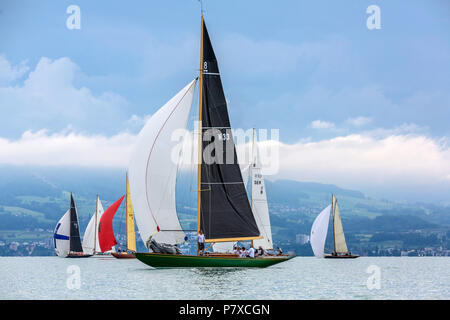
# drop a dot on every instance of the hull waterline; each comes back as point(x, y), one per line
point(123, 255)
point(157, 260)
point(350, 256)
point(79, 255)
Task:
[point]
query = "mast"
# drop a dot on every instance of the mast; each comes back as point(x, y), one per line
point(251, 173)
point(126, 212)
point(224, 212)
point(131, 236)
point(96, 226)
point(334, 233)
point(200, 135)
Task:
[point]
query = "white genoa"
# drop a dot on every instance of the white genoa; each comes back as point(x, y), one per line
point(319, 231)
point(152, 170)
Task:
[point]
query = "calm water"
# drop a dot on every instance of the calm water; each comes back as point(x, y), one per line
point(299, 278)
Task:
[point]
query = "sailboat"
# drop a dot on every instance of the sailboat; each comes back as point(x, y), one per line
point(106, 238)
point(66, 235)
point(223, 210)
point(319, 233)
point(258, 202)
point(131, 237)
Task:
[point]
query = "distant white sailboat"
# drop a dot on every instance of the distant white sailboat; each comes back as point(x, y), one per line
point(319, 232)
point(90, 242)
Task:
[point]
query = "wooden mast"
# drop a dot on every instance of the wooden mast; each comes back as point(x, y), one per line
point(200, 135)
point(126, 211)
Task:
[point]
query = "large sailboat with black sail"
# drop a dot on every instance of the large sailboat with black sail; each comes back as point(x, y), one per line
point(224, 213)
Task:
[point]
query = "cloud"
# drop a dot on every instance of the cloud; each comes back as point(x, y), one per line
point(67, 148)
point(48, 98)
point(318, 124)
point(355, 160)
point(365, 160)
point(10, 73)
point(359, 121)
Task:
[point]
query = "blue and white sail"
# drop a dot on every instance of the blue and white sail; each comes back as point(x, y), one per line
point(61, 236)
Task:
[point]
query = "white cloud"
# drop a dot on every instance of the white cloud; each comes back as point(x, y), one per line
point(351, 161)
point(359, 121)
point(361, 159)
point(67, 148)
point(319, 124)
point(48, 98)
point(8, 72)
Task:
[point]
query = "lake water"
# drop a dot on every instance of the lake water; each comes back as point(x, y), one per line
point(299, 278)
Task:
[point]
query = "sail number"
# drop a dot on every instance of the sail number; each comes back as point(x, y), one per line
point(223, 136)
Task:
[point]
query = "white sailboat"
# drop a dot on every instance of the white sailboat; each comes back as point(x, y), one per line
point(319, 232)
point(61, 236)
point(223, 209)
point(90, 242)
point(66, 235)
point(259, 203)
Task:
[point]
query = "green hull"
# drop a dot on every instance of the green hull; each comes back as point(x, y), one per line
point(157, 260)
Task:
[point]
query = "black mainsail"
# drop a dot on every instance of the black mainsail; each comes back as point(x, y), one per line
point(225, 213)
point(75, 241)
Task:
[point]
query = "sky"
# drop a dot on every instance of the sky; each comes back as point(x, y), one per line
point(363, 109)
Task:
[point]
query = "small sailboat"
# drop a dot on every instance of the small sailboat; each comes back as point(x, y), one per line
point(131, 237)
point(319, 232)
point(90, 242)
point(67, 235)
point(107, 241)
point(223, 210)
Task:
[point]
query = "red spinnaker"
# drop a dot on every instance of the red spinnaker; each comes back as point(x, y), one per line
point(106, 237)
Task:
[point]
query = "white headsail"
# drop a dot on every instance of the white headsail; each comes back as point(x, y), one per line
point(61, 235)
point(259, 204)
point(319, 232)
point(90, 239)
point(152, 171)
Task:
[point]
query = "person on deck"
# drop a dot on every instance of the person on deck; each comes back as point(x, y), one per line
point(201, 242)
point(280, 252)
point(251, 252)
point(261, 251)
